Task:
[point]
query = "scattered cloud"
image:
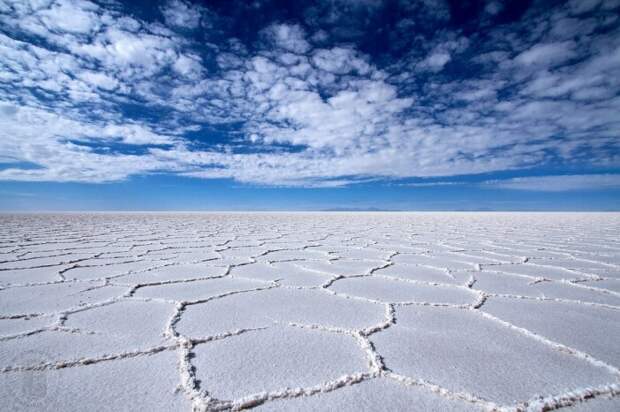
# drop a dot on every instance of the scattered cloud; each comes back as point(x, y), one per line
point(91, 92)
point(181, 14)
point(547, 54)
point(288, 37)
point(561, 183)
point(434, 184)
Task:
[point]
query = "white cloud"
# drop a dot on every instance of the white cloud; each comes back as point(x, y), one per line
point(100, 80)
point(433, 184)
point(547, 54)
point(130, 134)
point(188, 65)
point(436, 60)
point(441, 54)
point(288, 37)
point(71, 16)
point(339, 60)
point(118, 48)
point(181, 14)
point(348, 117)
point(558, 183)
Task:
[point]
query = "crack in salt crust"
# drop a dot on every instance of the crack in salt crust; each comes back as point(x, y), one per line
point(102, 254)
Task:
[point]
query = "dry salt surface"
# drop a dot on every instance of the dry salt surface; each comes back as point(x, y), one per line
point(310, 311)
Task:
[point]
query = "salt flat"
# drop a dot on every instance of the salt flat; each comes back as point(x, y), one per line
point(310, 311)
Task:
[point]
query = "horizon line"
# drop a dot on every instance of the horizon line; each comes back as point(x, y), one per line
point(32, 212)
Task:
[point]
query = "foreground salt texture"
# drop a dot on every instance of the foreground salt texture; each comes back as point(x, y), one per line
point(336, 311)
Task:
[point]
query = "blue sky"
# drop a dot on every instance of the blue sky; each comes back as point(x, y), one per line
point(329, 104)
